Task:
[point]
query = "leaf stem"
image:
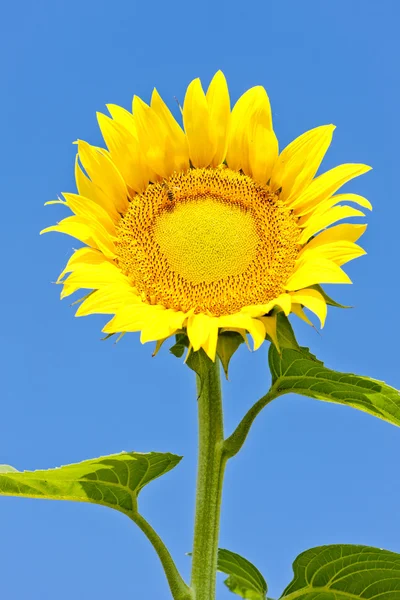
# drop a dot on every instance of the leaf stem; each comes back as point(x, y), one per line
point(235, 441)
point(179, 589)
point(211, 466)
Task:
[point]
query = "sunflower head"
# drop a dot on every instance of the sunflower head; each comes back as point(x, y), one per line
point(206, 228)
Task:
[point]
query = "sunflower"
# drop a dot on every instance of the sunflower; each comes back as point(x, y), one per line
point(207, 228)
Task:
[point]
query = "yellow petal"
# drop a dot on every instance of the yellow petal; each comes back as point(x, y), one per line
point(219, 110)
point(327, 184)
point(257, 310)
point(132, 318)
point(360, 200)
point(153, 138)
point(115, 136)
point(210, 344)
point(346, 232)
point(122, 117)
point(88, 189)
point(125, 152)
point(300, 160)
point(95, 278)
point(340, 252)
point(162, 325)
point(198, 329)
point(175, 132)
point(284, 302)
point(270, 327)
point(318, 270)
point(299, 312)
point(257, 331)
point(107, 300)
point(59, 201)
point(102, 170)
point(243, 321)
point(253, 106)
point(262, 144)
point(89, 232)
point(332, 201)
point(83, 258)
point(318, 222)
point(202, 331)
point(84, 207)
point(196, 120)
point(312, 300)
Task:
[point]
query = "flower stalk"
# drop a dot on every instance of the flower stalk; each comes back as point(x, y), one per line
point(235, 441)
point(179, 589)
point(211, 467)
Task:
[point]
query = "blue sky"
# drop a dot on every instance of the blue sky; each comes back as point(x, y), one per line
point(311, 473)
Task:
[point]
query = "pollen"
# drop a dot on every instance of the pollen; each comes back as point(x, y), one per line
point(207, 240)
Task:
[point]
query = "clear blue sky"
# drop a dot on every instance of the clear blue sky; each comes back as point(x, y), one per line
point(311, 473)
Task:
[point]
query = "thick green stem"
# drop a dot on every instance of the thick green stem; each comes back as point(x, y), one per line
point(179, 589)
point(211, 468)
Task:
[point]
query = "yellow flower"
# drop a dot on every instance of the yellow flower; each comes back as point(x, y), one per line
point(208, 228)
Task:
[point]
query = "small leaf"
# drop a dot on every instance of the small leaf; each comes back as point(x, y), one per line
point(327, 298)
point(285, 333)
point(79, 300)
point(199, 362)
point(107, 336)
point(158, 347)
point(114, 481)
point(181, 343)
point(244, 579)
point(228, 343)
point(182, 338)
point(345, 571)
point(297, 370)
point(177, 350)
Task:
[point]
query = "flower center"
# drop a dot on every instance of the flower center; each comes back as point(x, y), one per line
point(208, 240)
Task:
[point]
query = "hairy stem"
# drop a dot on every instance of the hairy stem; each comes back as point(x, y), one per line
point(179, 589)
point(211, 466)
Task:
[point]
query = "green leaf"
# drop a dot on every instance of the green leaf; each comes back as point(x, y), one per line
point(297, 370)
point(285, 333)
point(228, 343)
point(327, 298)
point(181, 343)
point(199, 362)
point(343, 572)
point(244, 579)
point(7, 469)
point(114, 481)
point(177, 350)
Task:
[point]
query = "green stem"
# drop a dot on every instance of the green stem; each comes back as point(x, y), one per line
point(211, 466)
point(234, 442)
point(179, 589)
